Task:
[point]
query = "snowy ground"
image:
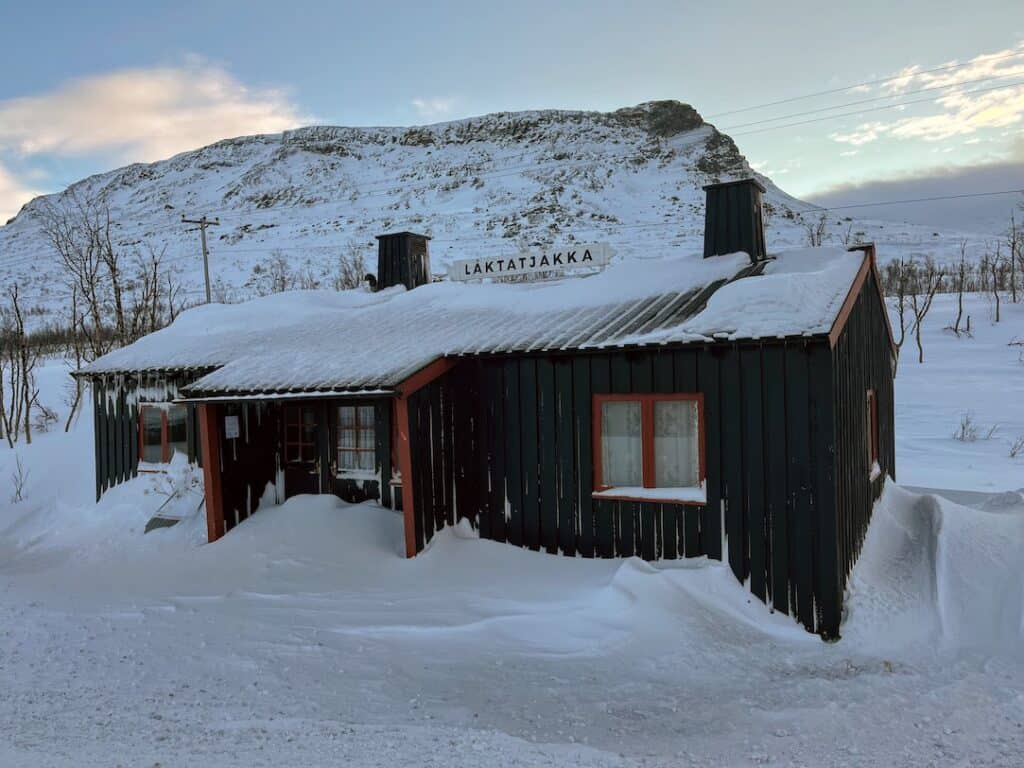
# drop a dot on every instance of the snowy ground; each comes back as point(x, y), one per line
point(303, 638)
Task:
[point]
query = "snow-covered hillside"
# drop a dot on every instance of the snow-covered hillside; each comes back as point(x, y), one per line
point(488, 185)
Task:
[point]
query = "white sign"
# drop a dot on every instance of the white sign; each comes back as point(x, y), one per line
point(230, 427)
point(532, 262)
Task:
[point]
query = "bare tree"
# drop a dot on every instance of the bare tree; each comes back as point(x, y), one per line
point(1015, 245)
point(929, 281)
point(18, 393)
point(997, 269)
point(117, 294)
point(960, 282)
point(69, 229)
point(897, 280)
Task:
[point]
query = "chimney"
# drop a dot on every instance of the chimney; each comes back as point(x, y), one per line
point(402, 259)
point(732, 219)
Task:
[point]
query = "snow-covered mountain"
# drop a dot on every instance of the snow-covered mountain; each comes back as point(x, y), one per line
point(487, 185)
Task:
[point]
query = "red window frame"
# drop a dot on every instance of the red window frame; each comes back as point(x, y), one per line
point(298, 411)
point(165, 443)
point(871, 432)
point(358, 427)
point(646, 434)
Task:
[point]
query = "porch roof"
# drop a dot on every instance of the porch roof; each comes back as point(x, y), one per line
point(358, 340)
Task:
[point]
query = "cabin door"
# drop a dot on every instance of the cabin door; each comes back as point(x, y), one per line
point(301, 454)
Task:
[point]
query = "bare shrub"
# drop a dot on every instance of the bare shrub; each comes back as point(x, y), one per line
point(19, 477)
point(44, 418)
point(349, 268)
point(272, 275)
point(815, 230)
point(967, 430)
point(1017, 447)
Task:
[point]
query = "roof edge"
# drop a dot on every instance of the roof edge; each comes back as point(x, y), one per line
point(868, 267)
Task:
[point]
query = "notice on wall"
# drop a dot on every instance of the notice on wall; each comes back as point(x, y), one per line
point(230, 427)
point(533, 263)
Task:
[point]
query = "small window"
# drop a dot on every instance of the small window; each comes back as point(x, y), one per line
point(299, 434)
point(163, 431)
point(357, 438)
point(649, 446)
point(177, 430)
point(152, 435)
point(871, 428)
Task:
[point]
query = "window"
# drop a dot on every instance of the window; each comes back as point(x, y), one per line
point(177, 430)
point(152, 432)
point(357, 438)
point(649, 446)
point(163, 431)
point(871, 428)
point(299, 434)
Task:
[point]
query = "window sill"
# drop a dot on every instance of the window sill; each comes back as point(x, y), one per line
point(355, 474)
point(691, 495)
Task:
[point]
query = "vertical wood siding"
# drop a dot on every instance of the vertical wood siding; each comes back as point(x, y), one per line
point(248, 462)
point(861, 360)
point(771, 459)
point(116, 401)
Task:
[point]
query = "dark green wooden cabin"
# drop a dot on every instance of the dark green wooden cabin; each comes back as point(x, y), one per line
point(764, 450)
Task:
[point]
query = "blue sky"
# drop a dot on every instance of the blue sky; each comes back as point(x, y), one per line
point(86, 87)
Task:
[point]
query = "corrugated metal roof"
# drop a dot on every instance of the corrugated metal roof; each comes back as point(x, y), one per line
point(325, 341)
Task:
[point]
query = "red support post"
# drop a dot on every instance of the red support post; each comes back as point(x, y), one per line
point(209, 434)
point(415, 382)
point(405, 468)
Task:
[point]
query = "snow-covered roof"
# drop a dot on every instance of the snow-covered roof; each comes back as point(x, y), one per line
point(359, 340)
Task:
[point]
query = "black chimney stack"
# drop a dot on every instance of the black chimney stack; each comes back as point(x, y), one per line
point(732, 220)
point(402, 259)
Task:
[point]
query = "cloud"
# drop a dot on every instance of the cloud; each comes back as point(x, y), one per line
point(1002, 64)
point(955, 112)
point(142, 114)
point(433, 109)
point(984, 214)
point(13, 195)
point(864, 133)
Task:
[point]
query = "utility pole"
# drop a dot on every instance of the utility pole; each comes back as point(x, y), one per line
point(203, 224)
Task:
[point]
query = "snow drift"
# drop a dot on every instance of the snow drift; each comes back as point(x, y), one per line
point(934, 574)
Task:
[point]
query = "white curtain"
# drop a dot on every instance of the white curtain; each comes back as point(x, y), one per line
point(621, 454)
point(676, 460)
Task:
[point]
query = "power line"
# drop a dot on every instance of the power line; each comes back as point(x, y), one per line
point(873, 109)
point(597, 228)
point(922, 200)
point(611, 229)
point(867, 83)
point(872, 99)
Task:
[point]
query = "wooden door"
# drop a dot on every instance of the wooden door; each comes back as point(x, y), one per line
point(301, 453)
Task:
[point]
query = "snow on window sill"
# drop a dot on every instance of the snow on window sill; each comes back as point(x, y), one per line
point(355, 474)
point(876, 472)
point(153, 466)
point(689, 495)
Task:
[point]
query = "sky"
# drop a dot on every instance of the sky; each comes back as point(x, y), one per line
point(86, 87)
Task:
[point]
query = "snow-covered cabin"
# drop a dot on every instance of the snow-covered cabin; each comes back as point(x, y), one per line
point(735, 404)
